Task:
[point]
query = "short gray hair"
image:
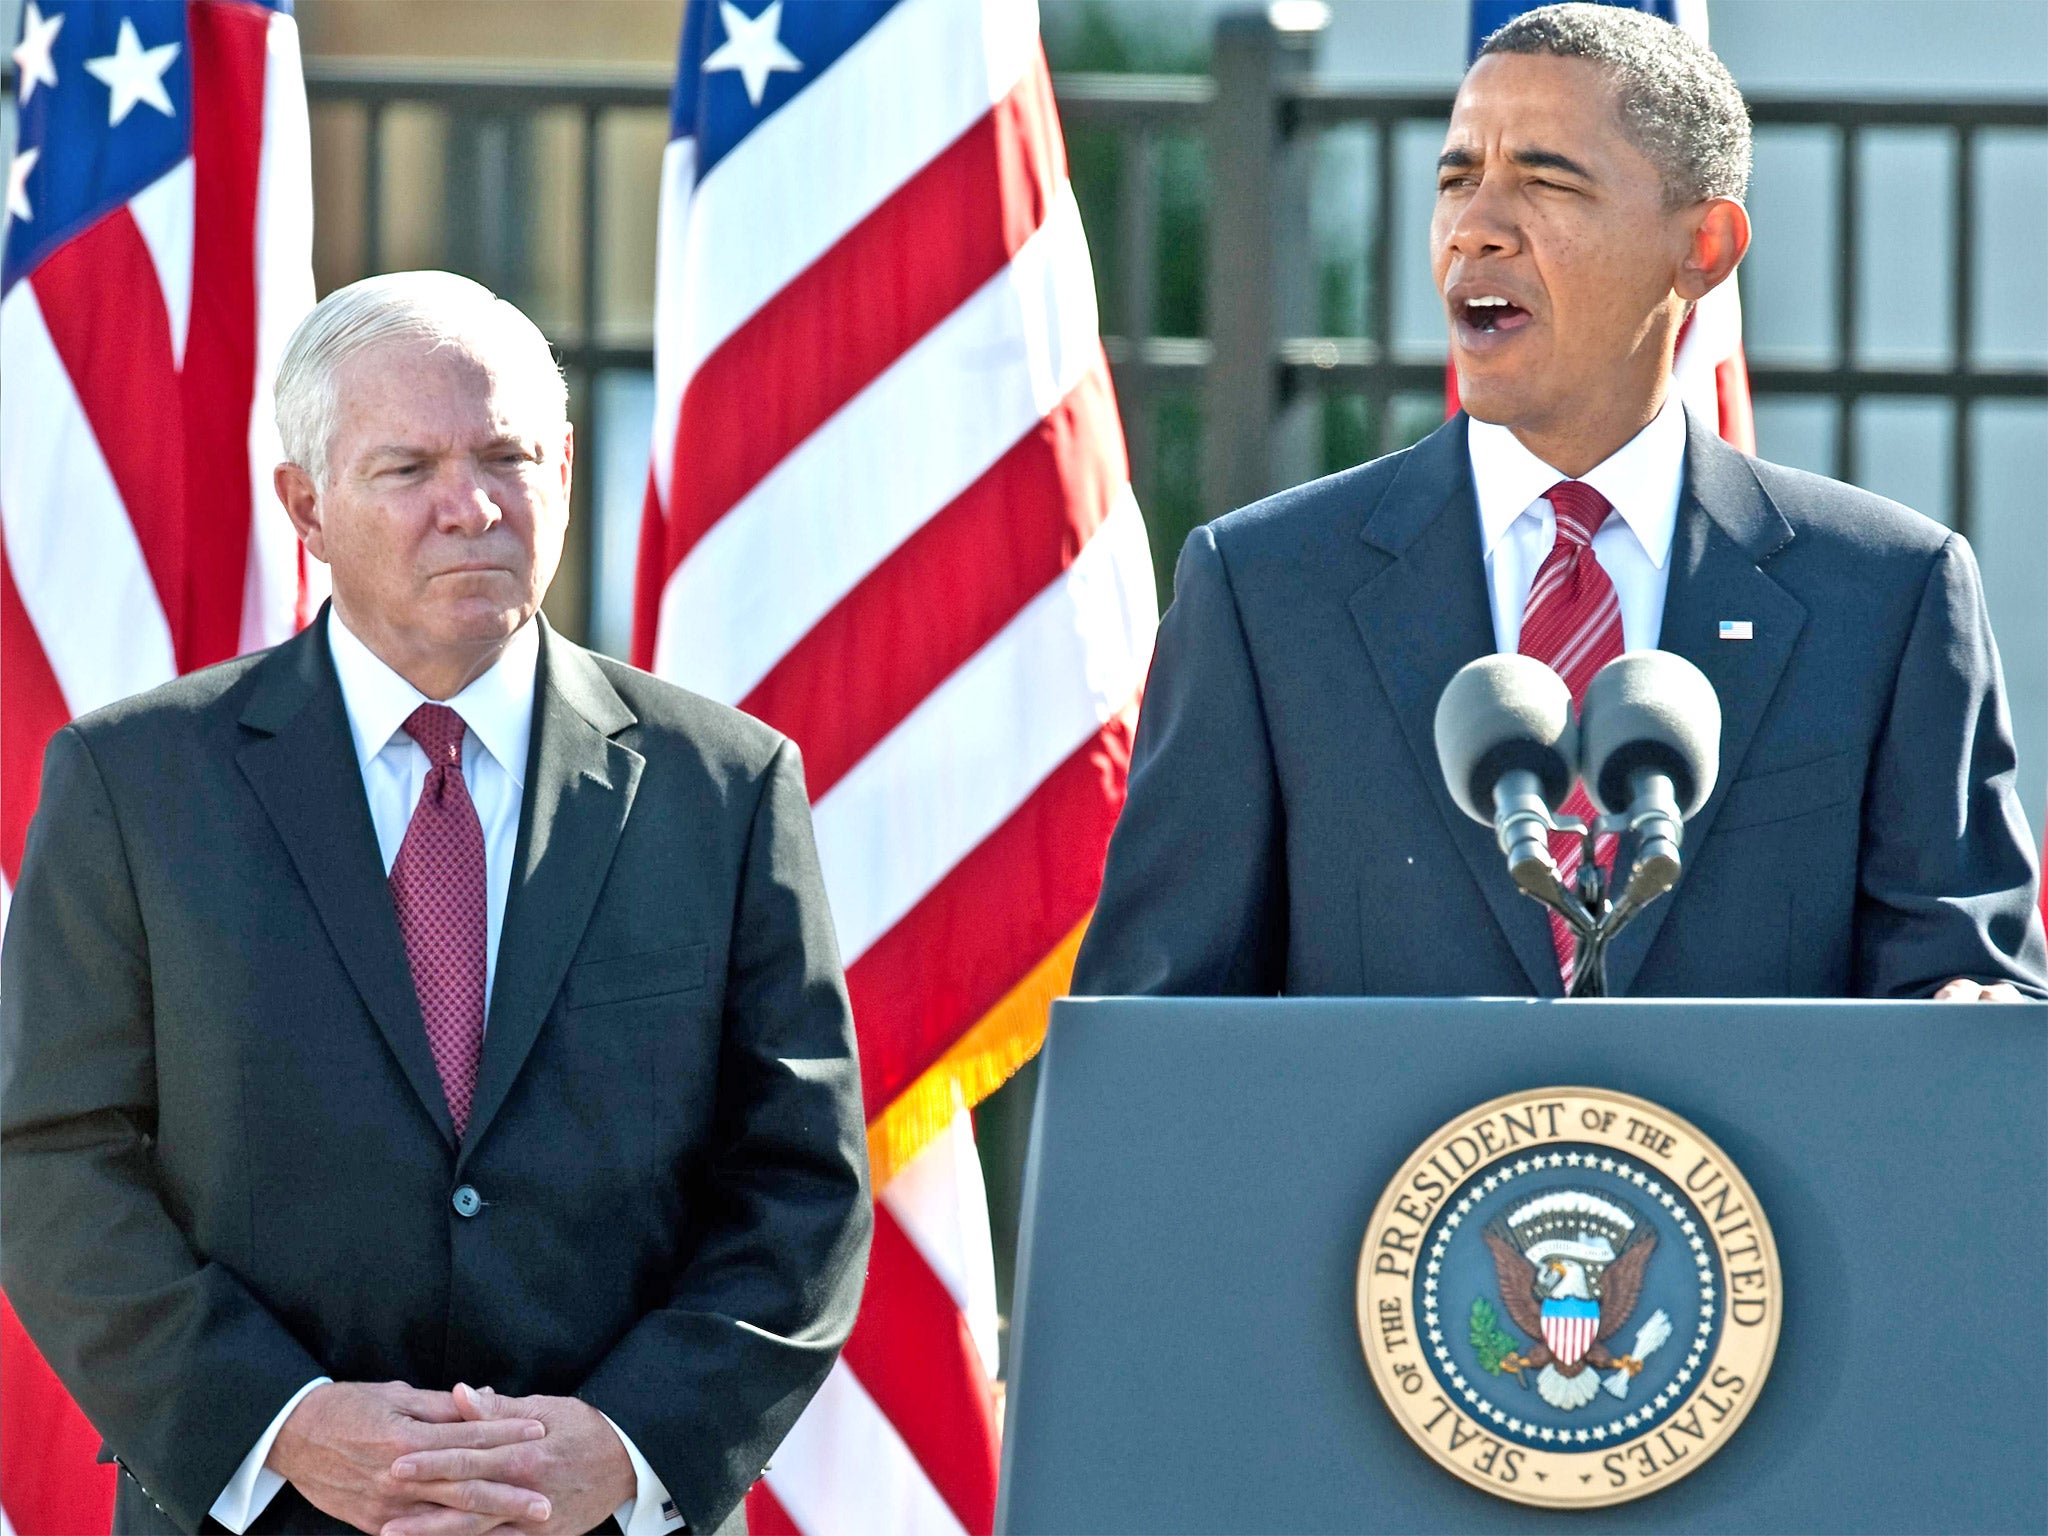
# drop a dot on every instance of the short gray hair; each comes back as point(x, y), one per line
point(1678, 101)
point(438, 308)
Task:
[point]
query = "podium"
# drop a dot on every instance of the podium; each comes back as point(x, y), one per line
point(1186, 1352)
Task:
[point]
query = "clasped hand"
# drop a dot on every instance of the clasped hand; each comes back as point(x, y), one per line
point(397, 1461)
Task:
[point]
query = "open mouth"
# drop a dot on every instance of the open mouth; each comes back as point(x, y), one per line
point(1491, 314)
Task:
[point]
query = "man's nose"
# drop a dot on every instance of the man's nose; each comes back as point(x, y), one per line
point(1485, 225)
point(465, 505)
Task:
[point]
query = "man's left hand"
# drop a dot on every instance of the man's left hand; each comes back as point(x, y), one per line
point(1964, 990)
point(581, 1466)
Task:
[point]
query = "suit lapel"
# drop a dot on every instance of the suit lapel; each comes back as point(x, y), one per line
point(579, 790)
point(1423, 616)
point(301, 762)
point(1727, 529)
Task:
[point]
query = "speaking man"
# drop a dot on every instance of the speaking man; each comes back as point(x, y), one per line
point(430, 1102)
point(1287, 828)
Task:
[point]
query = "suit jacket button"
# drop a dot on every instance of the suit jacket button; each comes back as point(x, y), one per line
point(467, 1201)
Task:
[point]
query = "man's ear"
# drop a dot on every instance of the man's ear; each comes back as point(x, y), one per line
point(1720, 236)
point(301, 498)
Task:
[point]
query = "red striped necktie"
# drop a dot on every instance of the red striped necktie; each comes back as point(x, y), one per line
point(437, 884)
point(1572, 624)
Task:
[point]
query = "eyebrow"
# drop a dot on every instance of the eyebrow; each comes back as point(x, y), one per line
point(428, 451)
point(1528, 159)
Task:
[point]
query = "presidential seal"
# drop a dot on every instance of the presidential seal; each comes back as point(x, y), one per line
point(1569, 1297)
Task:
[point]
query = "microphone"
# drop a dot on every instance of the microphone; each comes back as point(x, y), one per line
point(1650, 751)
point(1508, 748)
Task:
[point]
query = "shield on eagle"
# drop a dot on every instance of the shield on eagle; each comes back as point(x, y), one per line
point(1569, 1326)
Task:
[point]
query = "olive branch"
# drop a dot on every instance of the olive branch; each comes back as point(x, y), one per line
point(1490, 1341)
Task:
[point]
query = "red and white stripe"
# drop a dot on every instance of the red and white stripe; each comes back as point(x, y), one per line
point(1569, 1337)
point(139, 535)
point(889, 513)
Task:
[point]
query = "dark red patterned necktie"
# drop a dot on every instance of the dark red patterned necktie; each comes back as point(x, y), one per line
point(437, 884)
point(1572, 624)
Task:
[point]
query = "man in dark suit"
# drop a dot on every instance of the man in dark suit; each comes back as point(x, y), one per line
point(1288, 829)
point(430, 1101)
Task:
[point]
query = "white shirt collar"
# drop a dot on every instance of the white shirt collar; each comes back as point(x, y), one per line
point(497, 707)
point(1641, 479)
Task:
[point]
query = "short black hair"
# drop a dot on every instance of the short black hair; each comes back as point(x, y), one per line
point(1677, 100)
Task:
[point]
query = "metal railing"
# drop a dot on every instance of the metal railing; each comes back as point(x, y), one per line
point(1261, 101)
point(1244, 370)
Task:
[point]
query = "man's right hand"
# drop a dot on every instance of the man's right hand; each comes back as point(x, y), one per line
point(338, 1445)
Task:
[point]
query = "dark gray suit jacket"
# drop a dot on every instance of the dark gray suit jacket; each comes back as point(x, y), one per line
point(1288, 830)
point(227, 1158)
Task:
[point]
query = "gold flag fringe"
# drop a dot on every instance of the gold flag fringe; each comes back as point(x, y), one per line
point(974, 1066)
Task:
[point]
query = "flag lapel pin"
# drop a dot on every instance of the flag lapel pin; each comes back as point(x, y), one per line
point(1737, 629)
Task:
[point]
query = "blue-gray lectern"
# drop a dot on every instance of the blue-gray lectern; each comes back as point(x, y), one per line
point(1186, 1350)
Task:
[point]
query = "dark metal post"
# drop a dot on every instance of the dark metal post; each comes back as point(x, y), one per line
point(1963, 230)
point(1380, 266)
point(1138, 251)
point(1244, 144)
point(373, 188)
point(1848, 232)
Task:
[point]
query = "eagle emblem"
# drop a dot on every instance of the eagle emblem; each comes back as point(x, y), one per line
point(1570, 1264)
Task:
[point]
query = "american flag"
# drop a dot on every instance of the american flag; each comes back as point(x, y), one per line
point(158, 253)
point(889, 513)
point(1709, 371)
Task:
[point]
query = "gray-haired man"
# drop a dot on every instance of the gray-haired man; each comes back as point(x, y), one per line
point(430, 1103)
point(1287, 828)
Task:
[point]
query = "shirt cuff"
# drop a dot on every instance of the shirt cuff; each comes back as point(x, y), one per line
point(254, 1485)
point(650, 1512)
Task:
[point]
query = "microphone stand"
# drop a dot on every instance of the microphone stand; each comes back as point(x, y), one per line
point(1585, 906)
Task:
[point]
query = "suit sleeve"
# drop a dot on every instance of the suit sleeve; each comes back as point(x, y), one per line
point(175, 1363)
point(1947, 884)
point(1194, 895)
point(707, 1385)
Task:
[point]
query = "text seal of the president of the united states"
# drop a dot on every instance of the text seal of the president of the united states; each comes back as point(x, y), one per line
point(1569, 1297)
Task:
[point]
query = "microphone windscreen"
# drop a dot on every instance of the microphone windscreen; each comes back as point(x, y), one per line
point(1650, 710)
point(1498, 714)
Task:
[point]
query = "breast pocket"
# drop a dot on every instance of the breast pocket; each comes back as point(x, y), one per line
point(632, 978)
point(1763, 799)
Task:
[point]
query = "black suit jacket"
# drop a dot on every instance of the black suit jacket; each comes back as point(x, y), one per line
point(227, 1158)
point(1288, 829)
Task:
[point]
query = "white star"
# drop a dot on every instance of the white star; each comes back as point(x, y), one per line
point(1630, 1420)
point(752, 47)
point(1435, 1336)
point(1607, 1165)
point(1452, 1220)
point(1580, 1436)
point(133, 73)
point(17, 184)
point(1522, 1166)
point(1599, 1431)
point(1434, 1267)
point(32, 58)
point(1572, 1158)
point(1548, 1434)
point(1693, 1359)
point(1515, 1425)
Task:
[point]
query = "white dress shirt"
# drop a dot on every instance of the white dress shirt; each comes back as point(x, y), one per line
point(497, 708)
point(1641, 479)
